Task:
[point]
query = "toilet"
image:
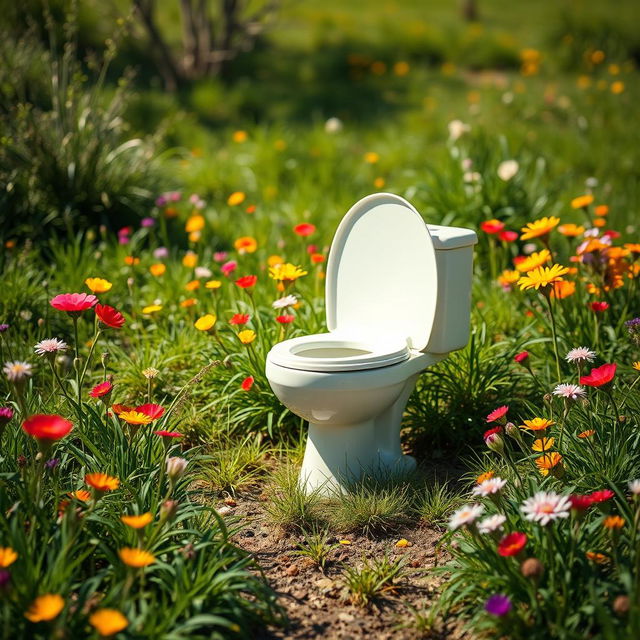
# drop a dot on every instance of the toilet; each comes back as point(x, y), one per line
point(397, 301)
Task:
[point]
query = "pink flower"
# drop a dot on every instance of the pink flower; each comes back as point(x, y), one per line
point(600, 376)
point(154, 411)
point(522, 357)
point(229, 267)
point(73, 302)
point(101, 390)
point(497, 414)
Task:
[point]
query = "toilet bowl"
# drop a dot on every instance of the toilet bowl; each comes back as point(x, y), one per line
point(397, 301)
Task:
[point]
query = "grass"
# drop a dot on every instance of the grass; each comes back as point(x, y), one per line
point(436, 502)
point(373, 579)
point(316, 546)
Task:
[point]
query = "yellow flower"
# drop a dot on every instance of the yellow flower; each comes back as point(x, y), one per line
point(193, 285)
point(636, 365)
point(189, 302)
point(137, 522)
point(539, 228)
point(135, 417)
point(586, 434)
point(537, 424)
point(371, 157)
point(547, 462)
point(195, 236)
point(102, 481)
point(157, 269)
point(401, 68)
point(213, 284)
point(247, 336)
point(7, 557)
point(508, 277)
point(98, 285)
point(108, 622)
point(543, 444)
point(542, 277)
point(534, 260)
point(236, 198)
point(402, 543)
point(152, 308)
point(205, 323)
point(190, 259)
point(613, 522)
point(44, 608)
point(240, 136)
point(379, 183)
point(245, 244)
point(272, 261)
point(194, 223)
point(136, 557)
point(582, 201)
point(286, 272)
point(617, 87)
point(571, 230)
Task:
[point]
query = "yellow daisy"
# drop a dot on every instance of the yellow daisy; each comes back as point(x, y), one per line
point(539, 228)
point(286, 272)
point(537, 424)
point(534, 261)
point(205, 323)
point(542, 277)
point(581, 201)
point(247, 336)
point(542, 444)
point(98, 285)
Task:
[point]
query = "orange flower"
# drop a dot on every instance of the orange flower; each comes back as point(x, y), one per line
point(135, 417)
point(487, 475)
point(537, 424)
point(534, 261)
point(131, 260)
point(136, 558)
point(371, 157)
point(598, 558)
point(539, 227)
point(582, 201)
point(45, 608)
point(157, 269)
point(586, 434)
point(192, 285)
point(108, 622)
point(613, 522)
point(189, 302)
point(240, 136)
point(102, 481)
point(7, 557)
point(272, 261)
point(563, 289)
point(246, 244)
point(194, 223)
point(543, 444)
point(633, 247)
point(137, 522)
point(80, 494)
point(571, 230)
point(508, 277)
point(190, 259)
point(547, 462)
point(236, 198)
point(601, 210)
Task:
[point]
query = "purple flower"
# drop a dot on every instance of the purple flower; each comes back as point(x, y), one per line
point(633, 326)
point(161, 201)
point(160, 253)
point(147, 222)
point(52, 464)
point(6, 413)
point(3, 327)
point(498, 605)
point(123, 239)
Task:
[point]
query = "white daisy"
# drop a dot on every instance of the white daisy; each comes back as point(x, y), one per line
point(545, 507)
point(486, 488)
point(283, 303)
point(465, 516)
point(17, 371)
point(634, 487)
point(492, 523)
point(202, 272)
point(507, 169)
point(570, 391)
point(580, 354)
point(50, 345)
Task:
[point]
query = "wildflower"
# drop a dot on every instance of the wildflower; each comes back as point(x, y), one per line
point(613, 522)
point(493, 440)
point(176, 467)
point(633, 327)
point(542, 277)
point(229, 267)
point(47, 428)
point(192, 285)
point(304, 229)
point(569, 391)
point(317, 258)
point(547, 462)
point(18, 371)
point(101, 390)
point(137, 522)
point(240, 136)
point(80, 494)
point(194, 223)
point(570, 230)
point(484, 476)
point(582, 202)
point(245, 244)
point(6, 413)
point(98, 285)
point(333, 125)
point(600, 376)
point(586, 434)
point(542, 444)
point(285, 319)
point(120, 408)
point(598, 558)
point(603, 495)
point(152, 308)
point(135, 417)
point(537, 424)
point(161, 253)
point(4, 327)
point(247, 336)
point(102, 482)
point(7, 557)
point(212, 284)
point(74, 303)
point(512, 544)
point(283, 303)
point(190, 259)
point(563, 289)
point(534, 261)
point(636, 365)
point(492, 523)
point(153, 411)
point(580, 503)
point(158, 269)
point(371, 157)
point(402, 543)
point(522, 357)
point(189, 302)
point(539, 228)
point(108, 622)
point(621, 604)
point(50, 346)
point(492, 226)
point(580, 354)
point(497, 414)
point(136, 558)
point(247, 383)
point(456, 129)
point(169, 434)
point(236, 198)
point(239, 318)
point(206, 322)
point(507, 170)
point(545, 507)
point(45, 608)
point(532, 568)
point(286, 272)
point(150, 372)
point(109, 316)
point(466, 516)
point(598, 307)
point(274, 260)
point(498, 605)
point(489, 487)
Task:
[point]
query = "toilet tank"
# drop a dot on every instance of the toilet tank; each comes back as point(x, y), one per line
point(454, 258)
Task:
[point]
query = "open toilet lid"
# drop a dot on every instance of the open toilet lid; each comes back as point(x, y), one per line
point(381, 272)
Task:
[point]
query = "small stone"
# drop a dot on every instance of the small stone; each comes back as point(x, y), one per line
point(345, 617)
point(292, 570)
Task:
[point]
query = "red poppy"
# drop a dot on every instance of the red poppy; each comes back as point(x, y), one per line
point(47, 427)
point(599, 376)
point(599, 306)
point(285, 319)
point(580, 503)
point(154, 411)
point(508, 236)
point(512, 544)
point(246, 282)
point(109, 316)
point(247, 383)
point(492, 226)
point(304, 229)
point(601, 496)
point(239, 318)
point(73, 302)
point(101, 389)
point(168, 434)
point(522, 357)
point(497, 414)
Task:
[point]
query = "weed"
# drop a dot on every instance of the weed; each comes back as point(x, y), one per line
point(436, 502)
point(316, 546)
point(373, 579)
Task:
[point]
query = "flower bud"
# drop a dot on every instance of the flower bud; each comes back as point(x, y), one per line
point(532, 568)
point(511, 430)
point(621, 605)
point(176, 467)
point(168, 510)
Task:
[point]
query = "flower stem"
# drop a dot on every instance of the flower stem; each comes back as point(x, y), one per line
point(554, 335)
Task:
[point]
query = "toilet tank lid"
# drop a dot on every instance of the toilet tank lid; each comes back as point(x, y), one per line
point(445, 238)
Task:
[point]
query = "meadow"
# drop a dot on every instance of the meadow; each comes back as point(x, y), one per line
point(156, 244)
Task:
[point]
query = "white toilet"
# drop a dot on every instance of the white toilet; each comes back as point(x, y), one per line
point(397, 301)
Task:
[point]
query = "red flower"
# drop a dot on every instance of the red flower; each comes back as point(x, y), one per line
point(599, 376)
point(101, 389)
point(239, 318)
point(312, 248)
point(317, 258)
point(169, 434)
point(580, 503)
point(247, 383)
point(522, 357)
point(489, 434)
point(120, 408)
point(285, 319)
point(109, 316)
point(154, 411)
point(512, 544)
point(73, 302)
point(518, 259)
point(47, 427)
point(599, 306)
point(246, 282)
point(601, 496)
point(304, 229)
point(508, 236)
point(492, 226)
point(611, 234)
point(498, 413)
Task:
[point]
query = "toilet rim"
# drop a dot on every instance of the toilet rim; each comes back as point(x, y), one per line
point(305, 353)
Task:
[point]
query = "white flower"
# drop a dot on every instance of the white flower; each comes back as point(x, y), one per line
point(150, 372)
point(333, 125)
point(457, 128)
point(465, 516)
point(569, 391)
point(492, 523)
point(591, 233)
point(283, 303)
point(50, 345)
point(471, 176)
point(202, 272)
point(17, 371)
point(486, 488)
point(580, 354)
point(507, 169)
point(529, 248)
point(544, 507)
point(176, 467)
point(634, 487)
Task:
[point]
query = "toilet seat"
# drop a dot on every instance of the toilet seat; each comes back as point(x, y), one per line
point(337, 352)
